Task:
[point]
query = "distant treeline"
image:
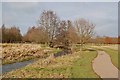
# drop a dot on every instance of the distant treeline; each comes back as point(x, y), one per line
point(37, 35)
point(10, 35)
point(105, 40)
point(52, 30)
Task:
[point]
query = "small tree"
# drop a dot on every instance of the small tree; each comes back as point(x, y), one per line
point(36, 35)
point(85, 30)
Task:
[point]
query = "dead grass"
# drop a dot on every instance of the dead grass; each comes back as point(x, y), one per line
point(20, 52)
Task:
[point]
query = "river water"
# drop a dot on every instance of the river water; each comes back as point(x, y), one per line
point(9, 67)
point(13, 66)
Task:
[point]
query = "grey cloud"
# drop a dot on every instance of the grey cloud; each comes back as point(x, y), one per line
point(104, 15)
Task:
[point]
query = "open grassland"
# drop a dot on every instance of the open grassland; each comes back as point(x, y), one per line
point(113, 47)
point(20, 52)
point(112, 50)
point(109, 46)
point(76, 65)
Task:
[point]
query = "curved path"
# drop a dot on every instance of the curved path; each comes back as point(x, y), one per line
point(103, 66)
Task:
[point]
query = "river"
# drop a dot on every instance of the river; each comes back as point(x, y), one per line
point(13, 66)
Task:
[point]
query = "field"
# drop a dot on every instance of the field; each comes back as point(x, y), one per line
point(75, 65)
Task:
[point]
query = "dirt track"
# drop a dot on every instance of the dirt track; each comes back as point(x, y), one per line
point(103, 66)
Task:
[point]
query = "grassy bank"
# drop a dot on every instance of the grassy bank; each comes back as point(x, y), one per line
point(76, 65)
point(83, 65)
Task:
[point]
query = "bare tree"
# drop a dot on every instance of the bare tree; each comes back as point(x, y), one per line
point(50, 22)
point(85, 30)
point(62, 38)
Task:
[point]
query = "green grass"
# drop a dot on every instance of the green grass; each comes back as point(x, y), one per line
point(83, 65)
point(76, 65)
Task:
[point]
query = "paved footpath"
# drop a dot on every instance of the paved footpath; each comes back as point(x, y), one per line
point(103, 66)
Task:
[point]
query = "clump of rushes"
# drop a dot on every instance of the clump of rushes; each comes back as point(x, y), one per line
point(20, 52)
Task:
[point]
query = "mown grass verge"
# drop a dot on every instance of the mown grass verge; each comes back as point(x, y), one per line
point(83, 65)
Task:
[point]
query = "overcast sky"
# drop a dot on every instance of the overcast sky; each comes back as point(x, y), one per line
point(25, 14)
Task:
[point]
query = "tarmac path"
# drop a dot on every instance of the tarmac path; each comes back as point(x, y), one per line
point(103, 66)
